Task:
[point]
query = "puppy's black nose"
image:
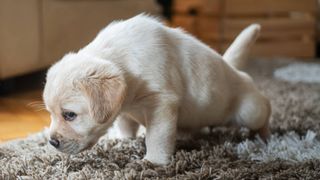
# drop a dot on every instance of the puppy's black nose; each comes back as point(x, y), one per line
point(55, 143)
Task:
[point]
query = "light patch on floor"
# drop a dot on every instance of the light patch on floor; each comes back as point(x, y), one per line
point(299, 72)
point(290, 147)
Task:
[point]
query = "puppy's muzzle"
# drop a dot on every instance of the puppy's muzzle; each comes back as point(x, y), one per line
point(54, 142)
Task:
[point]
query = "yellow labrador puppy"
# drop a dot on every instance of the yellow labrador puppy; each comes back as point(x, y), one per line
point(141, 72)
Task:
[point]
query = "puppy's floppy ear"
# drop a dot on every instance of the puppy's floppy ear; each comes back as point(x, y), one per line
point(105, 90)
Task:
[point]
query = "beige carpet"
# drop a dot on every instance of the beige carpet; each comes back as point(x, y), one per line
point(225, 153)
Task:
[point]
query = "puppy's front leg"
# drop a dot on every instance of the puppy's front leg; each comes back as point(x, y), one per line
point(161, 134)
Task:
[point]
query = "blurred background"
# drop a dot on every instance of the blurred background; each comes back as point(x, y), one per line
point(36, 33)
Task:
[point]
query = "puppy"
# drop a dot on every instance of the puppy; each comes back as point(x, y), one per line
point(141, 72)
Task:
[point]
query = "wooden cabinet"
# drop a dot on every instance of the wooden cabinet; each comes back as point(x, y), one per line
point(288, 26)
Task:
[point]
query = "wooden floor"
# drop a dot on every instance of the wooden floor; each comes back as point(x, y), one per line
point(19, 116)
point(20, 113)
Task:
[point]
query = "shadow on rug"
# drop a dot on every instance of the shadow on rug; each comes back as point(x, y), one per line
point(225, 153)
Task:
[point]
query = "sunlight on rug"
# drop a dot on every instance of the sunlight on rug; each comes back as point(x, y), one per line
point(299, 72)
point(290, 147)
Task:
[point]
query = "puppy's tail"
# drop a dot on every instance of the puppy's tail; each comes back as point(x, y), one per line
point(237, 54)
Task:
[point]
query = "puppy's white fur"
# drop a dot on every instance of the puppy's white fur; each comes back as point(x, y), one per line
point(142, 72)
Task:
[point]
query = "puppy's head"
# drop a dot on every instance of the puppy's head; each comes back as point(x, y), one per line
point(83, 95)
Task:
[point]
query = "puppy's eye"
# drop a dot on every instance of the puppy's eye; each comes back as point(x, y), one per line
point(69, 116)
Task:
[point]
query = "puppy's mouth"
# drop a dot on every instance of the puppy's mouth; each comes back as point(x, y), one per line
point(74, 148)
point(70, 148)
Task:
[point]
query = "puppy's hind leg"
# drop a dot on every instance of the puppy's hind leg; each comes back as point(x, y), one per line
point(127, 127)
point(254, 112)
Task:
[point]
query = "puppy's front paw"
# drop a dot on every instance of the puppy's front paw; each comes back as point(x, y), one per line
point(157, 160)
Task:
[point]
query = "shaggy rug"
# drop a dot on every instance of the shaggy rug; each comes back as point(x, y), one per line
point(293, 151)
